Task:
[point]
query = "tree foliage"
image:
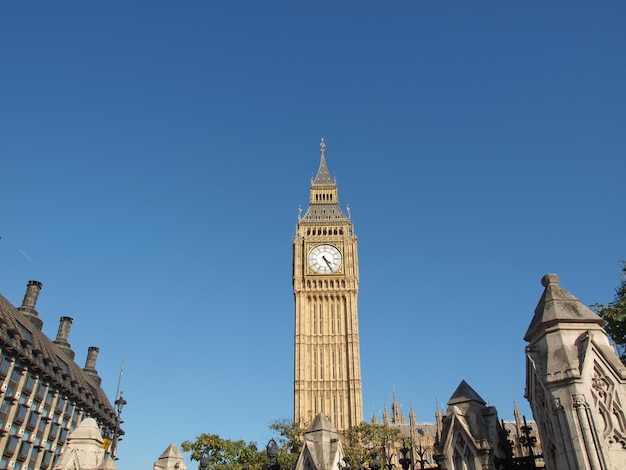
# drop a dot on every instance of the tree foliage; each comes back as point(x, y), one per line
point(367, 441)
point(360, 443)
point(236, 455)
point(614, 313)
point(289, 441)
point(223, 453)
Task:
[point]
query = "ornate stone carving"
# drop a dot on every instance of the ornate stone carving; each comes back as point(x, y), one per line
point(600, 385)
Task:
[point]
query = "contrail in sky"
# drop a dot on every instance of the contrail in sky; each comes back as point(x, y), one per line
point(29, 258)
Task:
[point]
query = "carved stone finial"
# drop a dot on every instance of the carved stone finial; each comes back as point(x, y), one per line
point(322, 147)
point(549, 279)
point(556, 404)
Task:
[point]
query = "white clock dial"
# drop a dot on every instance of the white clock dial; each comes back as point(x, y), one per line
point(325, 259)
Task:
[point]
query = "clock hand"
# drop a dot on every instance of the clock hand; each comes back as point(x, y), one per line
point(327, 262)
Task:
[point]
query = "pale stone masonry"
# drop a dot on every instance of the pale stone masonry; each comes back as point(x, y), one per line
point(327, 376)
point(321, 447)
point(84, 449)
point(170, 459)
point(575, 383)
point(470, 435)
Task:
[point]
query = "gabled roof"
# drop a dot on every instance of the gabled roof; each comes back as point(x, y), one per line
point(558, 306)
point(464, 393)
point(469, 410)
point(171, 452)
point(320, 423)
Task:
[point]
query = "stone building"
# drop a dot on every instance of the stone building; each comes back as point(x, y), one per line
point(44, 393)
point(421, 437)
point(321, 447)
point(84, 449)
point(470, 435)
point(450, 441)
point(327, 369)
point(170, 459)
point(575, 383)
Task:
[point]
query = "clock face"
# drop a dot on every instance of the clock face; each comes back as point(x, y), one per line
point(325, 259)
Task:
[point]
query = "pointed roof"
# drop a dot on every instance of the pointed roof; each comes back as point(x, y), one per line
point(464, 393)
point(108, 463)
point(320, 423)
point(170, 458)
point(322, 448)
point(87, 430)
point(171, 452)
point(323, 177)
point(324, 203)
point(558, 306)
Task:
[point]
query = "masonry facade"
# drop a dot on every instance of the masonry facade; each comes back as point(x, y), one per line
point(44, 393)
point(575, 383)
point(327, 376)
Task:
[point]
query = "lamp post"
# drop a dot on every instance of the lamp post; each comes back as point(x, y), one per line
point(405, 461)
point(421, 451)
point(204, 460)
point(375, 464)
point(272, 452)
point(346, 461)
point(119, 404)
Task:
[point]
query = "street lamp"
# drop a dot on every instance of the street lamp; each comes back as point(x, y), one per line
point(421, 451)
point(204, 460)
point(374, 464)
point(346, 460)
point(272, 452)
point(405, 461)
point(119, 404)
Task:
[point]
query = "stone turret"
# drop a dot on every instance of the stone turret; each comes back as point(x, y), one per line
point(321, 448)
point(84, 449)
point(575, 383)
point(30, 300)
point(386, 420)
point(472, 425)
point(374, 417)
point(396, 410)
point(170, 459)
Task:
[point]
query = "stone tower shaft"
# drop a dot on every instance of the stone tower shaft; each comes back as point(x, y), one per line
point(327, 368)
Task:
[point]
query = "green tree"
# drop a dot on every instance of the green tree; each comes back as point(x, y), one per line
point(614, 313)
point(235, 455)
point(289, 441)
point(224, 454)
point(368, 441)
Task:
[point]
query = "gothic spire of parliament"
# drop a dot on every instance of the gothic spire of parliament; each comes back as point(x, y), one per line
point(327, 375)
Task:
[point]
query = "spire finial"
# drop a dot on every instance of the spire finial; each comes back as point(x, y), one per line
point(322, 147)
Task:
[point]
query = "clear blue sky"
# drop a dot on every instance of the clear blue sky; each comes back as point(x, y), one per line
point(154, 154)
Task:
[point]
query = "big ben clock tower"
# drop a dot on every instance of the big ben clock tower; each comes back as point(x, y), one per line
point(327, 375)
